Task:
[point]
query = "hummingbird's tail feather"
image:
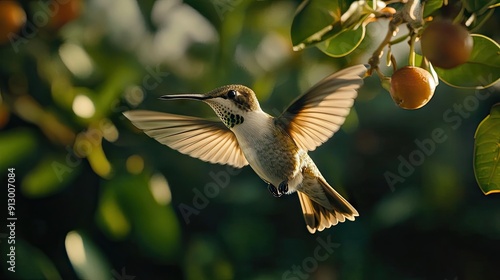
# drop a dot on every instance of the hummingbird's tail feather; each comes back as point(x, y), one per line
point(317, 216)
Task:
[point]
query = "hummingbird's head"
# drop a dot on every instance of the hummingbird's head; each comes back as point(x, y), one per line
point(231, 103)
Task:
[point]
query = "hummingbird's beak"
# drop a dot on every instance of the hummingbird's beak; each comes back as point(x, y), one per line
point(192, 96)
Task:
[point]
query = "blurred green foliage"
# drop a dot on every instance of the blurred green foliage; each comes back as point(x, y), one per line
point(98, 199)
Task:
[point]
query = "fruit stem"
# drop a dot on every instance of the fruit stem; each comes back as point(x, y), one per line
point(399, 40)
point(393, 27)
point(394, 64)
point(385, 81)
point(388, 56)
point(411, 13)
point(411, 58)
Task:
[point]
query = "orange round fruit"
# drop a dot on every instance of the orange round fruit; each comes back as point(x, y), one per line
point(66, 12)
point(12, 18)
point(445, 44)
point(412, 87)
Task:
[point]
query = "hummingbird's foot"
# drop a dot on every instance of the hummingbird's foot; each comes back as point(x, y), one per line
point(283, 188)
point(273, 190)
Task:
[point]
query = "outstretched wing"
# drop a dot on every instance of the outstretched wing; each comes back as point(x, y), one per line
point(204, 139)
point(316, 115)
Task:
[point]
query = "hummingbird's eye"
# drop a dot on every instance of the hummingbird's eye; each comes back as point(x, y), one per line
point(231, 94)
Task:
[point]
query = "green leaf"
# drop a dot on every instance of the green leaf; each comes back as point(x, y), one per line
point(431, 6)
point(478, 6)
point(313, 19)
point(154, 226)
point(482, 70)
point(487, 152)
point(343, 43)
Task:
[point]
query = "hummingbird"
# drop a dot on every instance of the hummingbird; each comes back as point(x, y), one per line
point(276, 148)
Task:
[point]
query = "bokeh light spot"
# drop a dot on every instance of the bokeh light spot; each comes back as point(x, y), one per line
point(135, 164)
point(75, 248)
point(83, 106)
point(160, 189)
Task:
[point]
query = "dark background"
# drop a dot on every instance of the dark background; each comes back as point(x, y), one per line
point(86, 203)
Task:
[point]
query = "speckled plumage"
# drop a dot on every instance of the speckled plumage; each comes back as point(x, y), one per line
point(229, 117)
